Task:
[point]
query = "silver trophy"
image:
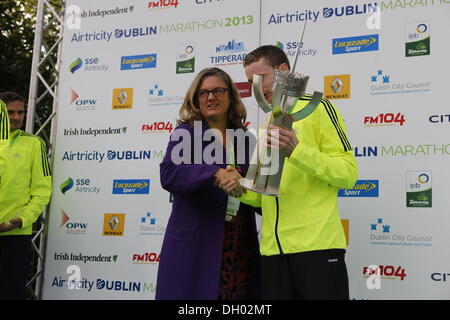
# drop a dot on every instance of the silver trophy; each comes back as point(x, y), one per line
point(264, 173)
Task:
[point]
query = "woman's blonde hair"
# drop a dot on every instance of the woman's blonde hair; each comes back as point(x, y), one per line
point(190, 109)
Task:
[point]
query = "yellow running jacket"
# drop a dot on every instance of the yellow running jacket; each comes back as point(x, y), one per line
point(305, 216)
point(25, 178)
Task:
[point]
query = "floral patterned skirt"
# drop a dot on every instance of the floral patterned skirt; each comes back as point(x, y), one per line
point(235, 271)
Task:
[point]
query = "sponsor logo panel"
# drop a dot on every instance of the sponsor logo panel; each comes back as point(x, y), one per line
point(362, 188)
point(355, 44)
point(418, 189)
point(143, 61)
point(131, 186)
point(337, 86)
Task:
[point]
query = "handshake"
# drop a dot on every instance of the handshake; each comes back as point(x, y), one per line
point(228, 180)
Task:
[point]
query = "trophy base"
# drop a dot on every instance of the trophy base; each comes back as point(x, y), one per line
point(267, 191)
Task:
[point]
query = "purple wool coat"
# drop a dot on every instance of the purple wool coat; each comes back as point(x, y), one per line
point(191, 254)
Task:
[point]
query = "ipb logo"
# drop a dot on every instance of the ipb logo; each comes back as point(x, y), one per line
point(417, 39)
point(185, 58)
point(418, 189)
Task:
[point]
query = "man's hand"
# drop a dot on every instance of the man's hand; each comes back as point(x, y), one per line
point(10, 225)
point(283, 139)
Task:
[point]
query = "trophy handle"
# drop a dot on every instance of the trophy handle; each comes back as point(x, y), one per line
point(259, 95)
point(310, 107)
point(278, 95)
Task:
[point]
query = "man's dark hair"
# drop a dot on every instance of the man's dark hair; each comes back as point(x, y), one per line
point(273, 55)
point(9, 96)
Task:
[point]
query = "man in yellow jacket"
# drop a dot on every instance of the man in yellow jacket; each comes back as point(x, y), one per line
point(25, 189)
point(303, 242)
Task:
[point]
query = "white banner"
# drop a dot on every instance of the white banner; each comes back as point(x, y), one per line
point(380, 63)
point(126, 66)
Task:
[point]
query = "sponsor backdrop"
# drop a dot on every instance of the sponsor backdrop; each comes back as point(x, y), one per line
point(126, 66)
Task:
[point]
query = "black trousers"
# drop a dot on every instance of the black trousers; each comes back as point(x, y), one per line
point(313, 275)
point(15, 253)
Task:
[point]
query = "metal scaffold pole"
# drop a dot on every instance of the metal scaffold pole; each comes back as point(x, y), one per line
point(43, 92)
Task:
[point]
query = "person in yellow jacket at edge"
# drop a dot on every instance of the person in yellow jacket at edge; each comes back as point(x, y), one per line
point(303, 242)
point(25, 190)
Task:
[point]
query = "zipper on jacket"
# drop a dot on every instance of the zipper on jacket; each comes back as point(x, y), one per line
point(276, 226)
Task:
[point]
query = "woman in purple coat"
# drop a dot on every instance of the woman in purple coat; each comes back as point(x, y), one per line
point(208, 254)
